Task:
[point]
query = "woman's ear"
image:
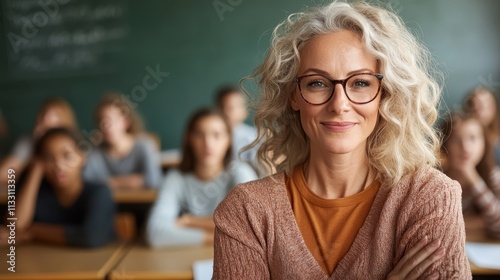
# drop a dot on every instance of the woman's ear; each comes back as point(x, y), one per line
point(293, 101)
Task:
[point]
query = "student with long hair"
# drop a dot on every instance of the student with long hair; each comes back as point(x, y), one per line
point(469, 162)
point(125, 158)
point(182, 214)
point(483, 104)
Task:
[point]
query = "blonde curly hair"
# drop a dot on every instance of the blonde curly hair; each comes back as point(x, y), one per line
point(403, 139)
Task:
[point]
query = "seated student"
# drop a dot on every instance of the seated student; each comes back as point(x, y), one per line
point(232, 104)
point(55, 205)
point(482, 103)
point(125, 159)
point(470, 162)
point(182, 214)
point(53, 113)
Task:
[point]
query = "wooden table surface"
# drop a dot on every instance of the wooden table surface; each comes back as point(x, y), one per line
point(143, 263)
point(42, 262)
point(120, 196)
point(139, 196)
point(474, 227)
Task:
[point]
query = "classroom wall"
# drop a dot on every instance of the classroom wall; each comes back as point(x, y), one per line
point(196, 47)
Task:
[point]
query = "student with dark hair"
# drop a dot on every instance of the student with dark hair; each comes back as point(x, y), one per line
point(55, 205)
point(125, 159)
point(182, 214)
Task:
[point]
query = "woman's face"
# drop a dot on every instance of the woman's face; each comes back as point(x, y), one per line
point(484, 107)
point(338, 126)
point(210, 141)
point(62, 161)
point(465, 145)
point(113, 123)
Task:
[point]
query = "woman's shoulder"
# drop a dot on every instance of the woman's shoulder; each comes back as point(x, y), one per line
point(427, 182)
point(259, 193)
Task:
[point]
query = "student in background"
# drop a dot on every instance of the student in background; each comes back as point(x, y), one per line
point(482, 103)
point(125, 158)
point(55, 205)
point(466, 145)
point(53, 113)
point(232, 103)
point(182, 214)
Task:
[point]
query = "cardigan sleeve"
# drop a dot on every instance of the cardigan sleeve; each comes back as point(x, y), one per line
point(239, 247)
point(436, 212)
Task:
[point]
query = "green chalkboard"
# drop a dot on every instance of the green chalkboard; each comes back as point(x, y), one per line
point(89, 47)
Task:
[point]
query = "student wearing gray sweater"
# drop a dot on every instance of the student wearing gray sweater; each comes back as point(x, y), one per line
point(125, 158)
point(182, 213)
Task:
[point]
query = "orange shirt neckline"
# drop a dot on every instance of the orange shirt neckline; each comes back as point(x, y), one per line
point(299, 181)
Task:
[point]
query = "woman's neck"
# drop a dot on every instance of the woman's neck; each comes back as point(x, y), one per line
point(68, 195)
point(121, 146)
point(208, 172)
point(338, 176)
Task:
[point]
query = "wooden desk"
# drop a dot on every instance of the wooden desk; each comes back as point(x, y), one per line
point(34, 261)
point(143, 263)
point(170, 158)
point(474, 227)
point(141, 196)
point(123, 197)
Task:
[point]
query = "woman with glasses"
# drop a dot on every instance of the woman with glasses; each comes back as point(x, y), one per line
point(348, 101)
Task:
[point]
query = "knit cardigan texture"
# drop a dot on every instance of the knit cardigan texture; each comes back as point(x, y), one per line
point(257, 237)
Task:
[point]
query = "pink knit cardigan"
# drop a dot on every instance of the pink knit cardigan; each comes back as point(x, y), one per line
point(257, 237)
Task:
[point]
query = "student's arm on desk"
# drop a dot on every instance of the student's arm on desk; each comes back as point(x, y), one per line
point(204, 223)
point(47, 233)
point(162, 229)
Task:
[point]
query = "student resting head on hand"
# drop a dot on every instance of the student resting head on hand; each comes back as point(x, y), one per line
point(483, 104)
point(55, 205)
point(348, 102)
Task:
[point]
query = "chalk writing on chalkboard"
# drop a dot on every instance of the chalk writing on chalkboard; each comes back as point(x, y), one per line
point(57, 38)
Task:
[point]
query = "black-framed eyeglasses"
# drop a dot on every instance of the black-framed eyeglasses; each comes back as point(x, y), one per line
point(360, 88)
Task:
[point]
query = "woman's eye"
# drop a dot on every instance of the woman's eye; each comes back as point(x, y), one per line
point(316, 84)
point(361, 83)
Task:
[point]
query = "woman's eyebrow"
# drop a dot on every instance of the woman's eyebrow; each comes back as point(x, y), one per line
point(325, 73)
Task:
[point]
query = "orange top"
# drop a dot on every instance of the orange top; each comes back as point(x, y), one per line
point(328, 226)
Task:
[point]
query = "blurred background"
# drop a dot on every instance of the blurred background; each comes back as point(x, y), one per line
point(80, 49)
